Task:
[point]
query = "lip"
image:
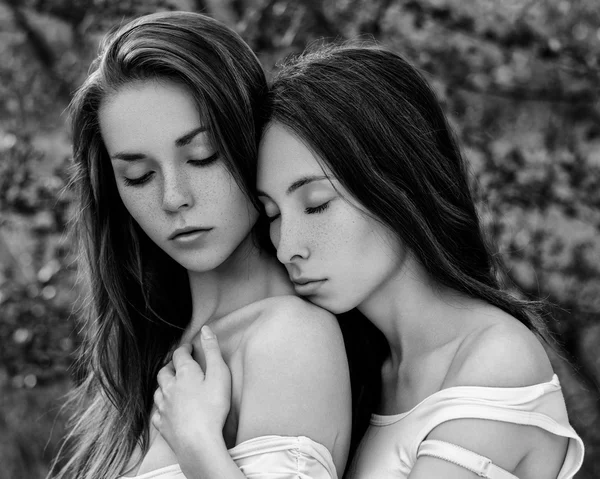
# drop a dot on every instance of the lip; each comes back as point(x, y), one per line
point(188, 233)
point(306, 286)
point(302, 281)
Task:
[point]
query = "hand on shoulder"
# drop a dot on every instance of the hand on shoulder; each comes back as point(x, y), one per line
point(192, 402)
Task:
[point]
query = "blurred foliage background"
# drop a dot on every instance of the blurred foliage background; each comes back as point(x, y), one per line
point(520, 81)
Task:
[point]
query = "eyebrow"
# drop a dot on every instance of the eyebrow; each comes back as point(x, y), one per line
point(179, 142)
point(128, 156)
point(298, 184)
point(188, 137)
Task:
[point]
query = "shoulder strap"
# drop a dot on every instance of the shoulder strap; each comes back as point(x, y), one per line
point(480, 465)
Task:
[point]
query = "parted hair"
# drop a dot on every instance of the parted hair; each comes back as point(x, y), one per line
point(373, 120)
point(137, 300)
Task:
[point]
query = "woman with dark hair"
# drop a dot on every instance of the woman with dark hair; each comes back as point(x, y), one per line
point(165, 137)
point(369, 206)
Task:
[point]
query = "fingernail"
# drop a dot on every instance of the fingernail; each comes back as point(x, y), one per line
point(207, 333)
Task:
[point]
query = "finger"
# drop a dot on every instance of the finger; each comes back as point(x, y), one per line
point(166, 374)
point(212, 351)
point(182, 355)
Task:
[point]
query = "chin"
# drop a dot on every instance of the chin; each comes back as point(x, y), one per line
point(200, 263)
point(330, 304)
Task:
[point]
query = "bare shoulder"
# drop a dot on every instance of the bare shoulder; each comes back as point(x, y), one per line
point(293, 323)
point(504, 353)
point(296, 310)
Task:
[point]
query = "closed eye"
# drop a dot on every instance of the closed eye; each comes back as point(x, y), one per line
point(316, 209)
point(138, 181)
point(205, 161)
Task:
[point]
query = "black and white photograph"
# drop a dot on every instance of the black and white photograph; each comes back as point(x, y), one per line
point(299, 239)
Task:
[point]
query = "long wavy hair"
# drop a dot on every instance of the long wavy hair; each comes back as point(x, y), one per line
point(374, 121)
point(137, 300)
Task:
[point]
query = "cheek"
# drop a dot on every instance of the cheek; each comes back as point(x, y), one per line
point(139, 206)
point(236, 209)
point(358, 244)
point(131, 203)
point(341, 237)
point(381, 257)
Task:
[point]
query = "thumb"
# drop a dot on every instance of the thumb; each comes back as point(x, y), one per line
point(212, 351)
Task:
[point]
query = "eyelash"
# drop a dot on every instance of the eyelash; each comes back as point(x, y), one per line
point(205, 161)
point(143, 179)
point(309, 211)
point(317, 209)
point(137, 181)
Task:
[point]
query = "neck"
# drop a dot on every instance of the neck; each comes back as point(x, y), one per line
point(414, 313)
point(247, 276)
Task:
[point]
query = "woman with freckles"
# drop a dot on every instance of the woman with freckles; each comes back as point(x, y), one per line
point(369, 207)
point(165, 137)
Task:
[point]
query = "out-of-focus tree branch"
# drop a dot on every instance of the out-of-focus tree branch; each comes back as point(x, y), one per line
point(222, 10)
point(9, 262)
point(42, 51)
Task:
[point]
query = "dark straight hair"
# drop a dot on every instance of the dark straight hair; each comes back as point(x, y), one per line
point(374, 121)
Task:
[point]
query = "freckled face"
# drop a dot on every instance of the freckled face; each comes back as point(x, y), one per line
point(336, 255)
point(171, 179)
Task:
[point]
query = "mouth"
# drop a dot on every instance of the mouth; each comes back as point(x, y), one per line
point(303, 281)
point(188, 233)
point(306, 286)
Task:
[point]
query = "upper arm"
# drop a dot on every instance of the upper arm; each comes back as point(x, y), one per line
point(296, 380)
point(503, 443)
point(509, 446)
point(428, 467)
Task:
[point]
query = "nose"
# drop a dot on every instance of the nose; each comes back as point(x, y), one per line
point(176, 192)
point(289, 240)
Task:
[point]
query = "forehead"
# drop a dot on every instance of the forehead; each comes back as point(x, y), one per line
point(283, 158)
point(145, 113)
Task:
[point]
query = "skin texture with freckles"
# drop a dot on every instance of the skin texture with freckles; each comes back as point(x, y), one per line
point(146, 120)
point(319, 230)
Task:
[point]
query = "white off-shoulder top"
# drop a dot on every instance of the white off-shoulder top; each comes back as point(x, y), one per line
point(275, 457)
point(391, 444)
